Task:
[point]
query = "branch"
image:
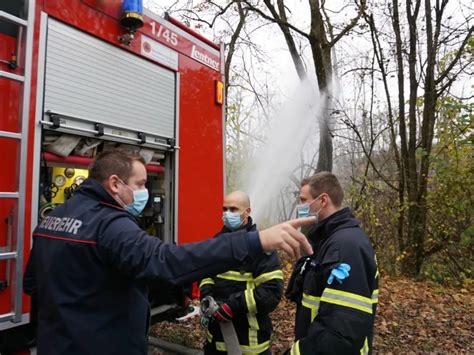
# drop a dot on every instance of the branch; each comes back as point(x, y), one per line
point(445, 73)
point(275, 20)
point(451, 80)
point(359, 69)
point(290, 41)
point(222, 11)
point(368, 154)
point(350, 26)
point(233, 40)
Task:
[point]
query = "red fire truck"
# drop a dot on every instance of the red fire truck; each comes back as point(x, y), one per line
point(78, 77)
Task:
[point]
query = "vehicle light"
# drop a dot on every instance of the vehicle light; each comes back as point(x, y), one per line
point(132, 14)
point(219, 92)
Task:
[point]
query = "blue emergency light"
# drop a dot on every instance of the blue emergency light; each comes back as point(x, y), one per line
point(132, 14)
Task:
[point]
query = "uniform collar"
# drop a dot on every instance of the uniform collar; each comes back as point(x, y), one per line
point(94, 189)
point(338, 220)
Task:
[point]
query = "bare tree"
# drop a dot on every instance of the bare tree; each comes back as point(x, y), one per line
point(322, 40)
point(424, 46)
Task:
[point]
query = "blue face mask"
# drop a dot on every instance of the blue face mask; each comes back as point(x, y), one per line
point(140, 198)
point(302, 210)
point(232, 220)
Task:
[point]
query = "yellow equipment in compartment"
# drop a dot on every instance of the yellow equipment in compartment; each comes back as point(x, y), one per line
point(64, 178)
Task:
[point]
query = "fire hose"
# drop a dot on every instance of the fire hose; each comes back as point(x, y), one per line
point(209, 306)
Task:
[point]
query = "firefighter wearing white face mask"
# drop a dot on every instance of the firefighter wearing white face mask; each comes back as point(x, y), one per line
point(246, 294)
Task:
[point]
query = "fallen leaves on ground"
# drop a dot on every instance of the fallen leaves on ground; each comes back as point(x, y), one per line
point(414, 317)
point(423, 317)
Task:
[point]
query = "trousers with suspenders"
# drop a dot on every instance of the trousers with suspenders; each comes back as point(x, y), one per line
point(252, 291)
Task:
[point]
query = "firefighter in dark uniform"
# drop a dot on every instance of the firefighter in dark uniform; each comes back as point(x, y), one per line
point(246, 294)
point(90, 262)
point(336, 288)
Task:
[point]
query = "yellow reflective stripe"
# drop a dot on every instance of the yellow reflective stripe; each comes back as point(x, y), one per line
point(246, 277)
point(377, 266)
point(347, 299)
point(208, 336)
point(295, 349)
point(277, 274)
point(236, 276)
point(375, 296)
point(252, 309)
point(311, 302)
point(250, 300)
point(365, 348)
point(253, 329)
point(246, 349)
point(255, 348)
point(220, 346)
point(311, 298)
point(207, 281)
point(354, 296)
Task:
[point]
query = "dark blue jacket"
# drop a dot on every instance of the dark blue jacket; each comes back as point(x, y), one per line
point(336, 318)
point(89, 268)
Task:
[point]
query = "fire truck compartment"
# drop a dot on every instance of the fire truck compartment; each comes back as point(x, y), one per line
point(64, 162)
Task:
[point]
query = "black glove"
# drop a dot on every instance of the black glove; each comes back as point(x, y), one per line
point(223, 314)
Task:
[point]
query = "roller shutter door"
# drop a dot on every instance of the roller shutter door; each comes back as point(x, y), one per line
point(96, 81)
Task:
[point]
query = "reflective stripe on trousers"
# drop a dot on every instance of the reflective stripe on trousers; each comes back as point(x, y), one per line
point(246, 349)
point(365, 348)
point(251, 283)
point(295, 349)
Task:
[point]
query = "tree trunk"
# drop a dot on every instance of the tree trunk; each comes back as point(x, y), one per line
point(402, 127)
point(323, 64)
point(231, 50)
point(409, 264)
point(325, 146)
point(427, 134)
point(295, 56)
point(321, 51)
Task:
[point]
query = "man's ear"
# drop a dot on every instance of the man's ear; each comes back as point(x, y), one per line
point(325, 199)
point(247, 213)
point(112, 184)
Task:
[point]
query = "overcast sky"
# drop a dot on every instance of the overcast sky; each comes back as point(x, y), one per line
point(270, 39)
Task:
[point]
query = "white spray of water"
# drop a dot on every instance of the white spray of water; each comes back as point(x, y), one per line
point(271, 168)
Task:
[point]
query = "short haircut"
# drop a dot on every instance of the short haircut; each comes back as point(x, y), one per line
point(325, 182)
point(114, 162)
point(305, 181)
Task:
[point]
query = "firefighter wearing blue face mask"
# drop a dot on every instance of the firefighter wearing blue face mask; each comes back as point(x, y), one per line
point(139, 200)
point(91, 264)
point(336, 288)
point(246, 294)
